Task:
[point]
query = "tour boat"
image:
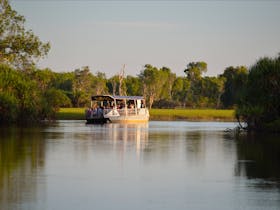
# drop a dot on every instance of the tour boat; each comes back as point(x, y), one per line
point(111, 108)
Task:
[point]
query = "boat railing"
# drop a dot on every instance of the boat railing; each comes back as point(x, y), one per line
point(124, 111)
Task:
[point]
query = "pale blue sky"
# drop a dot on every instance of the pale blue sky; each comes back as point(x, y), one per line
point(104, 35)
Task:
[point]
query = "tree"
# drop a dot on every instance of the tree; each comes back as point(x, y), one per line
point(134, 86)
point(259, 104)
point(153, 81)
point(235, 80)
point(45, 78)
point(180, 90)
point(195, 70)
point(212, 89)
point(122, 88)
point(113, 83)
point(194, 73)
point(98, 84)
point(18, 47)
point(21, 100)
point(54, 99)
point(117, 83)
point(169, 77)
point(64, 82)
point(82, 86)
point(8, 102)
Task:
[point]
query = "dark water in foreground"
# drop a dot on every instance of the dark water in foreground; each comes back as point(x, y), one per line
point(160, 165)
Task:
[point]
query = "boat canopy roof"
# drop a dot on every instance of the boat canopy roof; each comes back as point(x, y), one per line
point(111, 98)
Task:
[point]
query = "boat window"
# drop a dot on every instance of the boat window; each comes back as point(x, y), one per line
point(143, 104)
point(131, 104)
point(120, 104)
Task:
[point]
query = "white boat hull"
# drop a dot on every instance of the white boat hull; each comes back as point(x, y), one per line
point(139, 115)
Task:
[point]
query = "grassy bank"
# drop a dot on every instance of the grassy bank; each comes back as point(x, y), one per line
point(192, 114)
point(161, 114)
point(71, 114)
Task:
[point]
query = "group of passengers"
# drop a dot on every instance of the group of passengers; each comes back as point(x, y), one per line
point(98, 111)
point(95, 111)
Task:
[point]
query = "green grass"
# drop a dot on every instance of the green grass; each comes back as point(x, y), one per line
point(162, 114)
point(192, 114)
point(71, 114)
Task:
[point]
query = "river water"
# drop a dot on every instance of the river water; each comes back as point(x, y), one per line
point(158, 165)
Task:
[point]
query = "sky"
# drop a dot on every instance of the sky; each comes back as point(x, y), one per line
point(105, 35)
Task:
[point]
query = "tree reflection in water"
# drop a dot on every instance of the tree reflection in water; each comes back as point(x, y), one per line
point(22, 156)
point(259, 158)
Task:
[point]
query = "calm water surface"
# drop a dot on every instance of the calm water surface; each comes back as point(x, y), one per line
point(159, 165)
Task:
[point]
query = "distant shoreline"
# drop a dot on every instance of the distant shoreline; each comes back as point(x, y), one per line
point(223, 115)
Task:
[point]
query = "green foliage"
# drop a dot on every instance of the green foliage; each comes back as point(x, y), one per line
point(52, 101)
point(153, 80)
point(98, 84)
point(195, 70)
point(8, 107)
point(19, 94)
point(212, 89)
point(134, 86)
point(235, 81)
point(180, 90)
point(259, 106)
point(194, 73)
point(18, 47)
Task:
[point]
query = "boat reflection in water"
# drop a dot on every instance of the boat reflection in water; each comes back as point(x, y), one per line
point(123, 136)
point(157, 165)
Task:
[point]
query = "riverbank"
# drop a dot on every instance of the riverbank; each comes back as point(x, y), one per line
point(162, 114)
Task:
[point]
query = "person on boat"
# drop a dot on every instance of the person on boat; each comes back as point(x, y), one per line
point(131, 106)
point(99, 112)
point(94, 110)
point(88, 113)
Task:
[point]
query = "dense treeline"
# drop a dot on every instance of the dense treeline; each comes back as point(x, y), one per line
point(38, 94)
point(30, 94)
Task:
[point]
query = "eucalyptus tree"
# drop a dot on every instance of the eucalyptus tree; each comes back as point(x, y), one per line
point(195, 70)
point(64, 81)
point(169, 79)
point(235, 80)
point(81, 86)
point(113, 84)
point(19, 47)
point(180, 90)
point(98, 84)
point(45, 78)
point(153, 81)
point(212, 89)
point(133, 85)
point(194, 73)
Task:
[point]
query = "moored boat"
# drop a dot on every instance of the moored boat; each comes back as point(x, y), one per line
point(108, 108)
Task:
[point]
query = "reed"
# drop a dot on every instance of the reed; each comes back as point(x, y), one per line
point(162, 114)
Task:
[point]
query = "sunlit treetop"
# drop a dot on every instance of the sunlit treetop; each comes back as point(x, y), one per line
point(19, 47)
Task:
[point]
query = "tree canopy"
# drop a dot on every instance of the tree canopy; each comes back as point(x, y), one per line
point(259, 105)
point(19, 47)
